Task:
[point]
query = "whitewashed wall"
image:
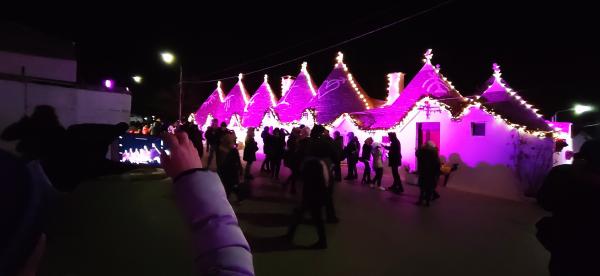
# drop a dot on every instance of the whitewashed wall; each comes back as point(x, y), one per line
point(39, 67)
point(73, 106)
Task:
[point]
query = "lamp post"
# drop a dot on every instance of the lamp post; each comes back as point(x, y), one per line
point(137, 79)
point(577, 109)
point(168, 58)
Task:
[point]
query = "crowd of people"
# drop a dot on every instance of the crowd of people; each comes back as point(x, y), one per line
point(371, 154)
point(281, 146)
point(314, 159)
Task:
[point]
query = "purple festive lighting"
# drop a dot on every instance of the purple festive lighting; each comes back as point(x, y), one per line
point(338, 94)
point(234, 103)
point(109, 84)
point(261, 101)
point(511, 145)
point(297, 98)
point(211, 105)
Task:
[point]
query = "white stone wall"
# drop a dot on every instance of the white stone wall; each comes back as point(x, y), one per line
point(39, 67)
point(72, 105)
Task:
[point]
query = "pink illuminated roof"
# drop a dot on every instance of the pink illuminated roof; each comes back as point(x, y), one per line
point(261, 101)
point(427, 82)
point(503, 100)
point(338, 94)
point(211, 105)
point(234, 103)
point(297, 98)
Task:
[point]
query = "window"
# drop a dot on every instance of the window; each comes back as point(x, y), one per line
point(478, 129)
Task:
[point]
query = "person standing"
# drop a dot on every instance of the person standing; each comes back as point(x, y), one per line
point(229, 165)
point(570, 193)
point(278, 150)
point(339, 146)
point(428, 165)
point(378, 166)
point(395, 160)
point(250, 149)
point(366, 158)
point(290, 159)
point(316, 154)
point(212, 141)
point(266, 137)
point(351, 151)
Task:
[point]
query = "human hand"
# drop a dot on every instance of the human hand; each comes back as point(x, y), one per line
point(184, 155)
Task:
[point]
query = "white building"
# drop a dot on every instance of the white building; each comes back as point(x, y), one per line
point(36, 69)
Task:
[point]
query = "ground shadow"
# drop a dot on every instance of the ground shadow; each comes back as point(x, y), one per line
point(271, 244)
point(266, 219)
point(274, 199)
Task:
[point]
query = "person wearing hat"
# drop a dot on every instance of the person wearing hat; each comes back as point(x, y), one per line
point(570, 193)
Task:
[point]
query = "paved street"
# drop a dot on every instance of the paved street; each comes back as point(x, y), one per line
point(128, 225)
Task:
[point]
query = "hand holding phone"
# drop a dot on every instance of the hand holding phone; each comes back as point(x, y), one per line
point(183, 157)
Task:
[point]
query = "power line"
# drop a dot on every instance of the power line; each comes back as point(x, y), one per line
point(330, 46)
point(387, 10)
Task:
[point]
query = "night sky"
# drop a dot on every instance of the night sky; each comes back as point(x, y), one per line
point(548, 52)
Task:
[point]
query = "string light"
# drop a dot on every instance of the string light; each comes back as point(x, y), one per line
point(243, 88)
point(340, 62)
point(498, 79)
point(308, 116)
point(257, 94)
point(304, 70)
point(220, 92)
point(271, 94)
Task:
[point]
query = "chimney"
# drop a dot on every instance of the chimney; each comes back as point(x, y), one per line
point(286, 82)
point(395, 86)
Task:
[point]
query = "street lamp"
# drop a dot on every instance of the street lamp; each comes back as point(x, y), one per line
point(137, 79)
point(109, 84)
point(169, 58)
point(577, 109)
point(582, 108)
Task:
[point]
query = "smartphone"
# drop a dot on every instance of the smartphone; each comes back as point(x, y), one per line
point(140, 149)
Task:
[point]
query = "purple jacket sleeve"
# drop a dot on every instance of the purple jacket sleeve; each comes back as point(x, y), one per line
point(220, 245)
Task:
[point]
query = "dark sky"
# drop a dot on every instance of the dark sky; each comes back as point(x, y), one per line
point(548, 51)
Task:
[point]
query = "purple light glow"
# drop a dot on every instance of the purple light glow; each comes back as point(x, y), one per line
point(261, 101)
point(428, 99)
point(234, 103)
point(296, 99)
point(109, 84)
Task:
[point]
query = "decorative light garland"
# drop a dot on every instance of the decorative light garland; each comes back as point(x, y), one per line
point(340, 62)
point(304, 70)
point(271, 94)
point(427, 60)
point(510, 91)
point(286, 83)
point(243, 88)
point(220, 92)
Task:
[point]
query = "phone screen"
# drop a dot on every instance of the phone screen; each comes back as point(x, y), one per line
point(140, 149)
